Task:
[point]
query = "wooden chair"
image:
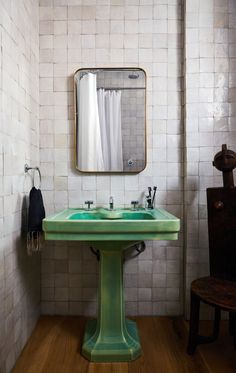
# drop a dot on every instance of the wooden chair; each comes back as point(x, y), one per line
point(218, 289)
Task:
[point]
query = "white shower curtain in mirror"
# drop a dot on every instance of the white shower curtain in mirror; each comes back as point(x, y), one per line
point(90, 157)
point(104, 128)
point(109, 103)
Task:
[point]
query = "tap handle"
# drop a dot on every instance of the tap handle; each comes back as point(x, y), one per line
point(134, 203)
point(88, 203)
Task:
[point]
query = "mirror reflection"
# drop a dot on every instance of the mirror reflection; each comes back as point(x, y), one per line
point(110, 120)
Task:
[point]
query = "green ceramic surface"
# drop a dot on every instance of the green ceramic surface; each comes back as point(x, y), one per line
point(85, 216)
point(104, 225)
point(111, 337)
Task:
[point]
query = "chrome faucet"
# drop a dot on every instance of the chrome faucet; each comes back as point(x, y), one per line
point(111, 203)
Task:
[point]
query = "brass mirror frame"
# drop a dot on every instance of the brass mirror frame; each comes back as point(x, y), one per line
point(75, 119)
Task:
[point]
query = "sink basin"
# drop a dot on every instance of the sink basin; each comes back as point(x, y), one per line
point(101, 214)
point(111, 337)
point(105, 225)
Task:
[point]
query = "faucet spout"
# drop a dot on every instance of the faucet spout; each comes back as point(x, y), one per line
point(111, 203)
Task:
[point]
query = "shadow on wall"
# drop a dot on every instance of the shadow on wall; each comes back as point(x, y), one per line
point(29, 266)
point(20, 293)
point(27, 285)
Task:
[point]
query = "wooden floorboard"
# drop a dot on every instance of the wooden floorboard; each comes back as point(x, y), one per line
point(220, 354)
point(216, 357)
point(55, 345)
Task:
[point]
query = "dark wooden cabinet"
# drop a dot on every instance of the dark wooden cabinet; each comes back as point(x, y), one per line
point(221, 205)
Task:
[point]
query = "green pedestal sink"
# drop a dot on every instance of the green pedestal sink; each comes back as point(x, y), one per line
point(111, 337)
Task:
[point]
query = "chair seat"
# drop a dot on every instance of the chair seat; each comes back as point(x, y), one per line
point(216, 292)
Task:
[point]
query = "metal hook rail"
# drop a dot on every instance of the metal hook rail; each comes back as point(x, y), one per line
point(28, 168)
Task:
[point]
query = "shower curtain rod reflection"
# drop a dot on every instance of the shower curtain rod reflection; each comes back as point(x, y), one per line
point(119, 88)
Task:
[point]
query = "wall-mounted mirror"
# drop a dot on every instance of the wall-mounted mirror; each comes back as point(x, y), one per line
point(110, 115)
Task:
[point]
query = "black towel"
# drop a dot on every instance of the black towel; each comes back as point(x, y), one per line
point(36, 211)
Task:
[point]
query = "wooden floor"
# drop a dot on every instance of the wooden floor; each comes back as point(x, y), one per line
point(56, 342)
point(220, 356)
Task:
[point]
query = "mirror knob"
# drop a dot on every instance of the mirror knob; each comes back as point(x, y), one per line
point(130, 162)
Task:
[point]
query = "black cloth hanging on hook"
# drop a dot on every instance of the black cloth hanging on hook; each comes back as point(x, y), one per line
point(36, 212)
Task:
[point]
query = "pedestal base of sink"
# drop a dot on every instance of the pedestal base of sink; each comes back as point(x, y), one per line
point(124, 346)
point(111, 337)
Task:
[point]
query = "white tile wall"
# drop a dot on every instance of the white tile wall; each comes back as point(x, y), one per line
point(210, 116)
point(146, 34)
point(19, 113)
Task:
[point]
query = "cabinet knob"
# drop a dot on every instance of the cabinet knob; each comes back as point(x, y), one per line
point(219, 205)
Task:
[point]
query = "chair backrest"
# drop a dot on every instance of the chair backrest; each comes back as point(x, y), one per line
point(221, 204)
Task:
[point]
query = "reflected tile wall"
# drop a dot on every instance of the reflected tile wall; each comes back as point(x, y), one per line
point(76, 34)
